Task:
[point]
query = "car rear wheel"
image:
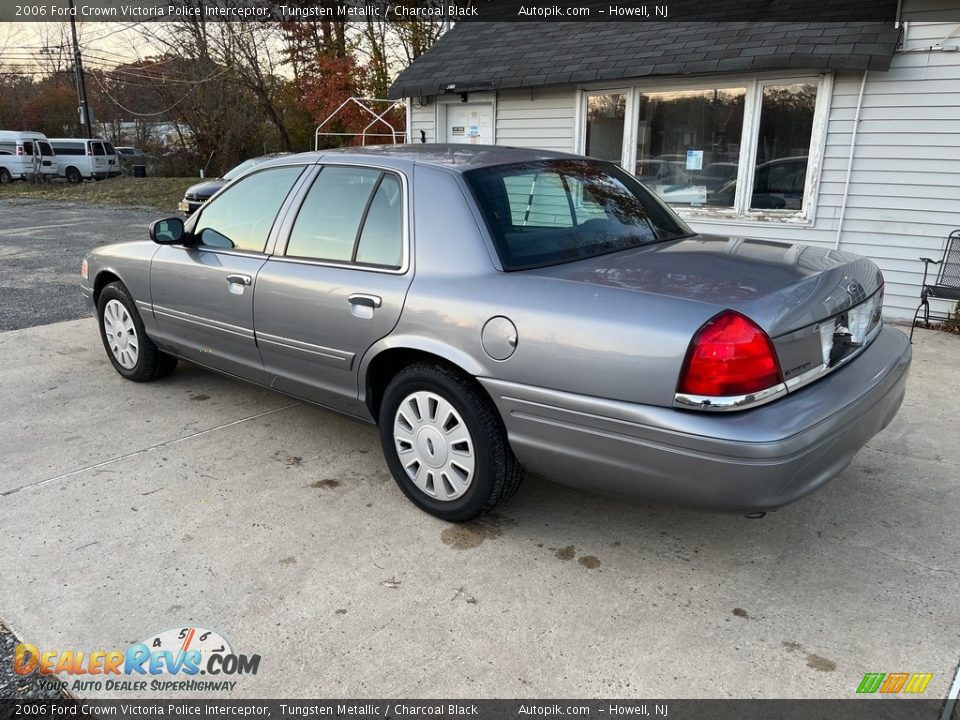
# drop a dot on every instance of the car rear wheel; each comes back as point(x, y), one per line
point(73, 176)
point(5, 177)
point(445, 443)
point(132, 353)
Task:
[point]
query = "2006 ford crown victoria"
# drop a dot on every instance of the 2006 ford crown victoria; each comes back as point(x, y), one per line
point(494, 309)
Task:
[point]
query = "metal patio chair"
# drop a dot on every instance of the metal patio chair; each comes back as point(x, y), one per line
point(947, 285)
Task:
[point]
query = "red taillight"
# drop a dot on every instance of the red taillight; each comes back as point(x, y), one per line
point(19, 149)
point(730, 355)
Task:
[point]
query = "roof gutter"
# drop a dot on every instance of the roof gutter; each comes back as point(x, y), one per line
point(853, 147)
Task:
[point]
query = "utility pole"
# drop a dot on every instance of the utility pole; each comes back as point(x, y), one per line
point(81, 83)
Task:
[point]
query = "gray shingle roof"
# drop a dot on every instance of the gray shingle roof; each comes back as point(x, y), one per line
point(487, 56)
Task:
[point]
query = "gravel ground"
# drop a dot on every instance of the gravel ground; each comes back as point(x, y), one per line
point(16, 687)
point(41, 246)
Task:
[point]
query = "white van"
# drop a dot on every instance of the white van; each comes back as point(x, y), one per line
point(24, 153)
point(79, 158)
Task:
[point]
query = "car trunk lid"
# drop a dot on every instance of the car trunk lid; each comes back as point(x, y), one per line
point(782, 287)
point(821, 307)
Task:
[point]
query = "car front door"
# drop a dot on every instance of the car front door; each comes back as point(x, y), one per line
point(338, 285)
point(202, 293)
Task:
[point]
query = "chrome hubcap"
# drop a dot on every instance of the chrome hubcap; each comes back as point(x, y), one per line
point(121, 334)
point(434, 445)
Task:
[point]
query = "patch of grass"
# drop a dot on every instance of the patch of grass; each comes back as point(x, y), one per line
point(160, 193)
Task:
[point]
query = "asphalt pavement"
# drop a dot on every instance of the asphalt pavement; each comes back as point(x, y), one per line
point(41, 246)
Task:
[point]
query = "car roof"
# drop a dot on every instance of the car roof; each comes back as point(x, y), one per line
point(458, 158)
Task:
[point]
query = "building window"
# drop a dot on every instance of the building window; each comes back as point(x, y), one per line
point(724, 150)
point(688, 144)
point(783, 145)
point(606, 115)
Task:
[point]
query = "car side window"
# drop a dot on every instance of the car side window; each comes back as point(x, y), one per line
point(350, 214)
point(381, 240)
point(240, 217)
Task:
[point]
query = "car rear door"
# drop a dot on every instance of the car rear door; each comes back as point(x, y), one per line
point(48, 160)
point(99, 158)
point(337, 284)
point(113, 162)
point(202, 293)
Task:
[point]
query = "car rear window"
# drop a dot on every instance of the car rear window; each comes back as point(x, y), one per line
point(555, 211)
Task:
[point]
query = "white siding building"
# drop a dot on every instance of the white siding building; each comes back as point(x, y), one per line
point(848, 136)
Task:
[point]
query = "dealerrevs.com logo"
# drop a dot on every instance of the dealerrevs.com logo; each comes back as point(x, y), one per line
point(169, 661)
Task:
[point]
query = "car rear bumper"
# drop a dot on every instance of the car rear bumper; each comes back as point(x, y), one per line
point(747, 461)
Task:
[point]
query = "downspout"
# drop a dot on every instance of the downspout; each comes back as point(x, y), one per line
point(853, 147)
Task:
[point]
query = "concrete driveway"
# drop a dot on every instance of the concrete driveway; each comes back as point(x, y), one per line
point(129, 509)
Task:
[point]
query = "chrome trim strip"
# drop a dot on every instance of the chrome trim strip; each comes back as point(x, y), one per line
point(203, 322)
point(339, 356)
point(729, 402)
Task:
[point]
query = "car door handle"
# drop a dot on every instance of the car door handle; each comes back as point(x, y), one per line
point(370, 301)
point(240, 280)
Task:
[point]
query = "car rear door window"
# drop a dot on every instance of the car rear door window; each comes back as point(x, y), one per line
point(240, 217)
point(381, 239)
point(350, 214)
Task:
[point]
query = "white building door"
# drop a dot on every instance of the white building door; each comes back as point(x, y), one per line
point(470, 123)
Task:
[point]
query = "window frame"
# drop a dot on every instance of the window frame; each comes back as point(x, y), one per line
point(297, 199)
point(271, 242)
point(754, 84)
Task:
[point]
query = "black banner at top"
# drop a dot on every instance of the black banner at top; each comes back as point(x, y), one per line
point(129, 11)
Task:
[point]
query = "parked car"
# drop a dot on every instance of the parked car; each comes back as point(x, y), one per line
point(777, 185)
point(131, 155)
point(197, 195)
point(716, 175)
point(485, 332)
point(80, 159)
point(656, 172)
point(24, 153)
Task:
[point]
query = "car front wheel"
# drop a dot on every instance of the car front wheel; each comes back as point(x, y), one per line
point(132, 353)
point(445, 443)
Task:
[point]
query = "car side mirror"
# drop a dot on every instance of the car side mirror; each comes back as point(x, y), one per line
point(168, 231)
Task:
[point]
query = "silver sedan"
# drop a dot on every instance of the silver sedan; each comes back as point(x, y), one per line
point(495, 309)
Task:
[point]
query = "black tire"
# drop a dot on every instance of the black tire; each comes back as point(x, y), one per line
point(497, 474)
point(73, 176)
point(5, 177)
point(151, 362)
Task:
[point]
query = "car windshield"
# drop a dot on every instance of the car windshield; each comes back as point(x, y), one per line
point(555, 211)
